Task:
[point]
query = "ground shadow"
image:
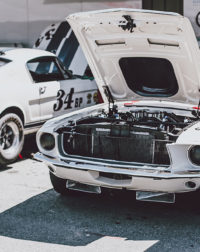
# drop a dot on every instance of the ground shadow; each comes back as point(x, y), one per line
point(80, 219)
point(30, 146)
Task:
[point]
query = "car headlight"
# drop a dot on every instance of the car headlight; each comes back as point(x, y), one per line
point(47, 141)
point(194, 154)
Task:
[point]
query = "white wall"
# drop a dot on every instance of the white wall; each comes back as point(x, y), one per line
point(22, 21)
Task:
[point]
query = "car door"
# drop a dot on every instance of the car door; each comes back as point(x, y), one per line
point(75, 93)
point(46, 77)
point(59, 91)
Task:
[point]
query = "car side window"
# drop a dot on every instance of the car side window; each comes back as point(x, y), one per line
point(45, 69)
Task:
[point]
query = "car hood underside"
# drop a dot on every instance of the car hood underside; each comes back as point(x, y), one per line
point(140, 54)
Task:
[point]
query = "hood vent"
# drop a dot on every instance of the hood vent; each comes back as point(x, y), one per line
point(163, 42)
point(106, 42)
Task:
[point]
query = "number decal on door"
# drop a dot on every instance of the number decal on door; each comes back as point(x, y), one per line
point(66, 100)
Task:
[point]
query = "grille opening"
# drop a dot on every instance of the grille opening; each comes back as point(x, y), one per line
point(135, 146)
point(115, 176)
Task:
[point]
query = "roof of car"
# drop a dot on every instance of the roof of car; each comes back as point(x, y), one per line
point(22, 54)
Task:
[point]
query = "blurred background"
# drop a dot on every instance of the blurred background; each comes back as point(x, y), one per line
point(22, 21)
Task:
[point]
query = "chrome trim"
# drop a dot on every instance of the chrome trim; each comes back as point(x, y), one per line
point(156, 173)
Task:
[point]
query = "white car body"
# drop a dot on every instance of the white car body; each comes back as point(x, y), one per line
point(61, 40)
point(32, 101)
point(109, 38)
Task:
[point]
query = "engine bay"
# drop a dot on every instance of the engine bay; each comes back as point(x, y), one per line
point(136, 134)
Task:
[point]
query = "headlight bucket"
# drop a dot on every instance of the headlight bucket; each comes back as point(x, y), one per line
point(47, 141)
point(194, 154)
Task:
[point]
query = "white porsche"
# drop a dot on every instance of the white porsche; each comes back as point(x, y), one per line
point(34, 88)
point(147, 136)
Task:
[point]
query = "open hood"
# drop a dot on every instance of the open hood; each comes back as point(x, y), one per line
point(141, 54)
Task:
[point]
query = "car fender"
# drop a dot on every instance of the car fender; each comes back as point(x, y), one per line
point(11, 108)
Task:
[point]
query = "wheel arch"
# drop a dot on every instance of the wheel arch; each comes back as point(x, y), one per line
point(16, 111)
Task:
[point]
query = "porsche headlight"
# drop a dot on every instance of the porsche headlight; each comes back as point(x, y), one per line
point(47, 141)
point(194, 155)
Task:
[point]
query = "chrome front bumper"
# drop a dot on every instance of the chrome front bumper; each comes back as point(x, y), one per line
point(145, 178)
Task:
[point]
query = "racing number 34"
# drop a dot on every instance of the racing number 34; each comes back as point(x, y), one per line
point(63, 99)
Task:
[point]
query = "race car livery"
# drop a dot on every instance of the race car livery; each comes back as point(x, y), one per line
point(35, 86)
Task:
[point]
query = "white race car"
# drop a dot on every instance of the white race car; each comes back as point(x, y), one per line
point(34, 88)
point(147, 136)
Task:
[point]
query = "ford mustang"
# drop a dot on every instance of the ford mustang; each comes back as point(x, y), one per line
point(34, 88)
point(146, 136)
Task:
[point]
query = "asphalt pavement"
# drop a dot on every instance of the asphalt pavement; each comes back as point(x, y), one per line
point(34, 218)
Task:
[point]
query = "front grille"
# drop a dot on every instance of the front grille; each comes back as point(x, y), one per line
point(140, 147)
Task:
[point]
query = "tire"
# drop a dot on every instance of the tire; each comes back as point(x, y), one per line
point(11, 138)
point(59, 184)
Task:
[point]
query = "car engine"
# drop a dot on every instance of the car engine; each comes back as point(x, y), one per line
point(138, 135)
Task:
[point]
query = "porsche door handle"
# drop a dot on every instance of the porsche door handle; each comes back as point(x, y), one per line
point(42, 90)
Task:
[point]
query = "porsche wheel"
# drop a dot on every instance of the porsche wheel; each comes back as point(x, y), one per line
point(59, 184)
point(11, 138)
